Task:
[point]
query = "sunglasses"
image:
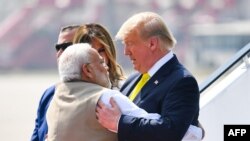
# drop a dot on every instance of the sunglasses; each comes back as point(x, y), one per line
point(62, 46)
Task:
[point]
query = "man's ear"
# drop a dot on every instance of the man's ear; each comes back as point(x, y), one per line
point(87, 70)
point(153, 42)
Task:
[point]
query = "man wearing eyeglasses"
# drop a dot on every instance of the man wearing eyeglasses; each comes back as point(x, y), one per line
point(65, 39)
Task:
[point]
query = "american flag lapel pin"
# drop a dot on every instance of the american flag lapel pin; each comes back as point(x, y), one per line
point(156, 82)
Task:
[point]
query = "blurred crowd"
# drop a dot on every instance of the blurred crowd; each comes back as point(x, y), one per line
point(29, 28)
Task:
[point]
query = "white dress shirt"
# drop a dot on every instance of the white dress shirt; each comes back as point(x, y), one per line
point(160, 63)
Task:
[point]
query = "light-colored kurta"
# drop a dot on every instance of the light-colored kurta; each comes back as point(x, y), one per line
point(71, 114)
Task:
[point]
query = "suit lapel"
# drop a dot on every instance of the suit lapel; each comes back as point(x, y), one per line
point(157, 78)
point(131, 84)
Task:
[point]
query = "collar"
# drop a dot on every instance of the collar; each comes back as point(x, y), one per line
point(160, 63)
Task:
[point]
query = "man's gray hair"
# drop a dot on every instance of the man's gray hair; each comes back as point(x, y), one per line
point(71, 61)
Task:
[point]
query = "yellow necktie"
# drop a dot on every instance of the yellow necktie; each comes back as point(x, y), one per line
point(145, 77)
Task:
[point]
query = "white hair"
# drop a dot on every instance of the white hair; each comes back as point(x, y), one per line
point(71, 61)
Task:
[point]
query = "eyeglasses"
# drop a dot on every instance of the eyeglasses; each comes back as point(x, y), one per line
point(62, 46)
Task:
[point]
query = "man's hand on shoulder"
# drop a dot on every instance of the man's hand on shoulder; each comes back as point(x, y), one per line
point(108, 117)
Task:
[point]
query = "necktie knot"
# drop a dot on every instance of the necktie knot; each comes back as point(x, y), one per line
point(145, 77)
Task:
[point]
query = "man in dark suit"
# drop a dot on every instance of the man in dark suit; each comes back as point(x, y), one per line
point(169, 89)
point(65, 39)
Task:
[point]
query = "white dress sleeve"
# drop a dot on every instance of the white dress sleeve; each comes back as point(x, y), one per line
point(126, 106)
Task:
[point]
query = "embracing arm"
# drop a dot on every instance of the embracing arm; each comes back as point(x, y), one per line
point(126, 106)
point(178, 109)
point(119, 104)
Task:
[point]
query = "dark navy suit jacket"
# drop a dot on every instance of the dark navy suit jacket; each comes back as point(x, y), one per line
point(173, 93)
point(41, 127)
